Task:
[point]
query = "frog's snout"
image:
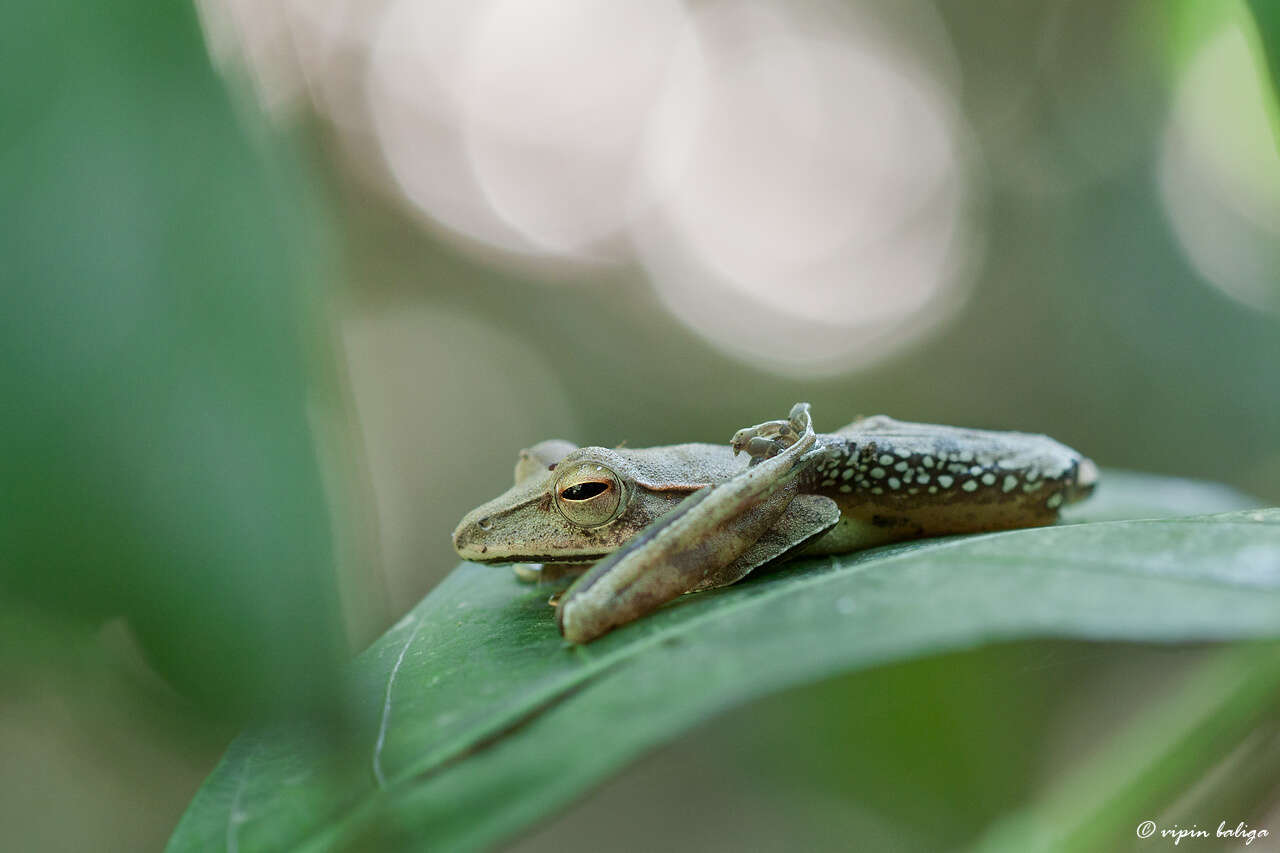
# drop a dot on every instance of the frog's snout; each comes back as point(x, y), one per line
point(469, 538)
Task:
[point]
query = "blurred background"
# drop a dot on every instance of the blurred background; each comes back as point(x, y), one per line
point(289, 283)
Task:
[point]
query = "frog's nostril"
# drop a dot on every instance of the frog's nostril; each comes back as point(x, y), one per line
point(465, 534)
point(471, 535)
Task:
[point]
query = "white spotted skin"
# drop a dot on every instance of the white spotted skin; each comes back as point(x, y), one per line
point(903, 480)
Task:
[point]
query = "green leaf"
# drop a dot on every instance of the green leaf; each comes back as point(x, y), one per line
point(1266, 14)
point(476, 720)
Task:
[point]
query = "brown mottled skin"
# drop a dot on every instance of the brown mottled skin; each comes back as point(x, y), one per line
point(874, 481)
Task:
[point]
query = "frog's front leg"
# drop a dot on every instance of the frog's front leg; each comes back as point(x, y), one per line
point(697, 544)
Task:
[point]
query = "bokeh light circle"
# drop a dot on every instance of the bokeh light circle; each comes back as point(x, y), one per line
point(559, 99)
point(822, 220)
point(793, 177)
point(417, 89)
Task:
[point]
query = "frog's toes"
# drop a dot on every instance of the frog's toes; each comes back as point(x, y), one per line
point(799, 418)
point(542, 573)
point(765, 440)
point(755, 439)
point(760, 447)
point(527, 572)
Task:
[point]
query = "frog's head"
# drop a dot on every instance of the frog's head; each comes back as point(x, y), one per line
point(569, 505)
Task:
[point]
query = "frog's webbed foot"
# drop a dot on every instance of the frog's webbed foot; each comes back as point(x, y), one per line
point(767, 440)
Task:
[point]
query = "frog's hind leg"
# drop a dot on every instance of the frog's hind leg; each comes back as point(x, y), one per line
point(806, 518)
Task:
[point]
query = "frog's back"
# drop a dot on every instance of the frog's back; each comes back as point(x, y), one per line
point(895, 480)
point(680, 467)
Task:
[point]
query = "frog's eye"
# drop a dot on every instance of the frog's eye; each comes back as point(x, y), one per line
point(589, 494)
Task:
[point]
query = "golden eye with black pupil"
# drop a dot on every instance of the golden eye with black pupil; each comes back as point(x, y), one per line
point(588, 494)
point(583, 491)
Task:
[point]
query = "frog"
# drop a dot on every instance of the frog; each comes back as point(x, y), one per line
point(635, 528)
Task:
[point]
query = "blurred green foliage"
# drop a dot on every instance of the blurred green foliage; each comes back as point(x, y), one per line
point(1267, 17)
point(157, 359)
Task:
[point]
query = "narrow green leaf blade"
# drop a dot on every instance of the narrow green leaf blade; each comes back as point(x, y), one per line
point(158, 344)
point(1266, 14)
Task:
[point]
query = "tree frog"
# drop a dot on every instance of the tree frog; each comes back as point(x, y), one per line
point(642, 526)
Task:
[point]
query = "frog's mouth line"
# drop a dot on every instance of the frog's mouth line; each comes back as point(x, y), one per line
point(564, 559)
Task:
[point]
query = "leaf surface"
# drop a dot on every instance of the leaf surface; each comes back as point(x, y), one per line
point(477, 720)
